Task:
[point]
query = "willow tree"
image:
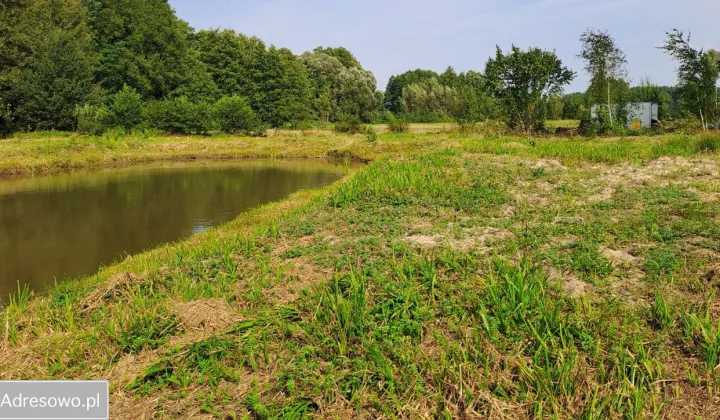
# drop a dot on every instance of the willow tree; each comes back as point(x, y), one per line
point(606, 64)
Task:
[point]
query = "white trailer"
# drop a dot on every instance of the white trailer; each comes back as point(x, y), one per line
point(640, 114)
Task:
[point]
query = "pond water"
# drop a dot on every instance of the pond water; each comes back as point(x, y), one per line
point(68, 225)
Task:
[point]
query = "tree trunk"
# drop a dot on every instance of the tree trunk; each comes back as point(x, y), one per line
point(609, 103)
point(702, 121)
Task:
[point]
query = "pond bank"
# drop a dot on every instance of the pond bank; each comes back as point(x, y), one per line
point(466, 278)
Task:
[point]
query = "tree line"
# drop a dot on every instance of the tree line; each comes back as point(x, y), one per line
point(90, 65)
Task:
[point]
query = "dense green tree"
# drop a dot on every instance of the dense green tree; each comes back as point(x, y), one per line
point(142, 44)
point(229, 58)
point(340, 91)
point(282, 93)
point(449, 78)
point(125, 108)
point(425, 96)
point(396, 85)
point(474, 103)
point(197, 82)
point(574, 106)
point(47, 63)
point(606, 64)
point(522, 81)
point(234, 114)
point(430, 97)
point(698, 72)
point(347, 59)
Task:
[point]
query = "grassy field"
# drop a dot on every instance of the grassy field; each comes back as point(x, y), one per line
point(454, 276)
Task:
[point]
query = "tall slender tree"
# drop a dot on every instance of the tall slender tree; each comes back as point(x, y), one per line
point(698, 73)
point(606, 64)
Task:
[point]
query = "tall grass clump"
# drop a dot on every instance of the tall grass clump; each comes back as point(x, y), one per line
point(707, 144)
point(704, 334)
point(392, 181)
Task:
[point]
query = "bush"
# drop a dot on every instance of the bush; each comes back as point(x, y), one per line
point(125, 109)
point(234, 115)
point(91, 119)
point(371, 134)
point(592, 127)
point(494, 128)
point(398, 125)
point(686, 126)
point(350, 125)
point(180, 116)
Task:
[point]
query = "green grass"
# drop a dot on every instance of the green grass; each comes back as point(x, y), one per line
point(53, 152)
point(562, 124)
point(454, 276)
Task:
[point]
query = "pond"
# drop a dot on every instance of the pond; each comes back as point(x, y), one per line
point(62, 226)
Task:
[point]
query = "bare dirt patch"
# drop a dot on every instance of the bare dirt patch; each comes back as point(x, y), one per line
point(630, 287)
point(571, 284)
point(546, 163)
point(480, 238)
point(420, 224)
point(662, 171)
point(619, 258)
point(605, 195)
point(424, 241)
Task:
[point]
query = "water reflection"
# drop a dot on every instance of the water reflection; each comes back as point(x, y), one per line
point(69, 225)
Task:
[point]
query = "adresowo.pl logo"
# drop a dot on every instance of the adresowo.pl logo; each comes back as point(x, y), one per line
point(54, 400)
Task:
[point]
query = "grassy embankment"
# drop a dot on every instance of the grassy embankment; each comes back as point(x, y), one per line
point(451, 277)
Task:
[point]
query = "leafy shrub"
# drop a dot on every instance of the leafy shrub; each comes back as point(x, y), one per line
point(371, 134)
point(593, 127)
point(350, 125)
point(686, 126)
point(306, 126)
point(589, 128)
point(234, 115)
point(125, 109)
point(398, 125)
point(180, 116)
point(91, 119)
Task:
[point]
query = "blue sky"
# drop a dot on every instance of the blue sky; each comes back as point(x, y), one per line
point(392, 36)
